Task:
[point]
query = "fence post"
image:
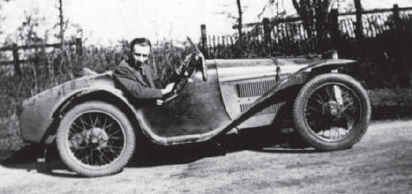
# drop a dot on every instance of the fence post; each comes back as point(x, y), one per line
point(401, 58)
point(396, 17)
point(334, 28)
point(266, 34)
point(359, 22)
point(79, 47)
point(204, 40)
point(16, 61)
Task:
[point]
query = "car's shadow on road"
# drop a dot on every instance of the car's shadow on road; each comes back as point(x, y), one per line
point(47, 161)
point(38, 158)
point(259, 141)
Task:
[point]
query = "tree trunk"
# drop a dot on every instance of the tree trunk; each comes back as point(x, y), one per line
point(239, 27)
point(61, 25)
point(306, 18)
point(320, 15)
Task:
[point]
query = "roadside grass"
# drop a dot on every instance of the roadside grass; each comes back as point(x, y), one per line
point(391, 103)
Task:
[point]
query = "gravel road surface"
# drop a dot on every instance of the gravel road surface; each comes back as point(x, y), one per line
point(380, 163)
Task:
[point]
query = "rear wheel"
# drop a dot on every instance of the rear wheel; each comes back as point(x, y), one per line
point(95, 139)
point(332, 112)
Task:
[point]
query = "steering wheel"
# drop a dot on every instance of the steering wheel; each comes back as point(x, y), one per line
point(202, 67)
point(194, 61)
point(183, 72)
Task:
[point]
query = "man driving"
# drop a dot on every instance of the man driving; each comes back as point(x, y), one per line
point(134, 75)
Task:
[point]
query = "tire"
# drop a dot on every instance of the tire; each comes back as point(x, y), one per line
point(332, 112)
point(95, 139)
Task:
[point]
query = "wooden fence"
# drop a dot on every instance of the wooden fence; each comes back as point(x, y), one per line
point(17, 61)
point(287, 36)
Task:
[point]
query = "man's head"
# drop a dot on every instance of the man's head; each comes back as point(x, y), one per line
point(140, 50)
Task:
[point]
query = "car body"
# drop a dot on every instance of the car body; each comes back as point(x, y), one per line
point(212, 98)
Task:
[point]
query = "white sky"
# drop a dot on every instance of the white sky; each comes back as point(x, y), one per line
point(108, 21)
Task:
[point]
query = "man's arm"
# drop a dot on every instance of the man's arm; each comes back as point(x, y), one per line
point(124, 77)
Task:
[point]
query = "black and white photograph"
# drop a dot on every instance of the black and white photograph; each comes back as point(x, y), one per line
point(213, 96)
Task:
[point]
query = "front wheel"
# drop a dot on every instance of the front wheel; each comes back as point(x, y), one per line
point(332, 112)
point(95, 139)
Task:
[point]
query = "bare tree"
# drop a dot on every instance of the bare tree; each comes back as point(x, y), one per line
point(238, 17)
point(314, 14)
point(274, 3)
point(28, 32)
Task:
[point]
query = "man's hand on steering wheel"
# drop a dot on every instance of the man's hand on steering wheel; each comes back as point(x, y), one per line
point(167, 93)
point(168, 88)
point(181, 70)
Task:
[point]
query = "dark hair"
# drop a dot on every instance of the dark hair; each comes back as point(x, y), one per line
point(140, 41)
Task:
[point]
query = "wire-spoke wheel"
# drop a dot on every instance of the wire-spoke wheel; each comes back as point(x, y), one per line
point(95, 139)
point(332, 112)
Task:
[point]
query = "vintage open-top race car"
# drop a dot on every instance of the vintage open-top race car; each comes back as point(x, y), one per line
point(96, 126)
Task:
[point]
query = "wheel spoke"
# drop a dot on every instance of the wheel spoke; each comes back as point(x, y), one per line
point(103, 158)
point(75, 127)
point(83, 123)
point(91, 155)
point(313, 108)
point(97, 122)
point(115, 138)
point(318, 99)
point(115, 147)
point(329, 93)
point(91, 121)
point(115, 132)
point(345, 107)
point(82, 156)
point(104, 123)
point(108, 152)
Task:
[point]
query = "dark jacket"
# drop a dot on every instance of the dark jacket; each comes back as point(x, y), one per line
point(136, 82)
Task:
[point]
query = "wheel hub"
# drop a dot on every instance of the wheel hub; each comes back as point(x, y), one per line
point(332, 108)
point(95, 137)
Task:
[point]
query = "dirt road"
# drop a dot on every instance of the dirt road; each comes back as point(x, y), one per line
point(380, 163)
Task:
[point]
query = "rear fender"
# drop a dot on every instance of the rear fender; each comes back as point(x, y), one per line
point(109, 96)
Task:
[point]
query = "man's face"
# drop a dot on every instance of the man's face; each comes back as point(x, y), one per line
point(140, 54)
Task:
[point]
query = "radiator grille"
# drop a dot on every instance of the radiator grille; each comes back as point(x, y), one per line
point(258, 88)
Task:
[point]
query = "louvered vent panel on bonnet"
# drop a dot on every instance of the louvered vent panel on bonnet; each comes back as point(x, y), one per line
point(267, 110)
point(258, 88)
point(255, 89)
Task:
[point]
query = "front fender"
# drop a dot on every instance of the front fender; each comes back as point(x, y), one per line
point(296, 78)
point(325, 64)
